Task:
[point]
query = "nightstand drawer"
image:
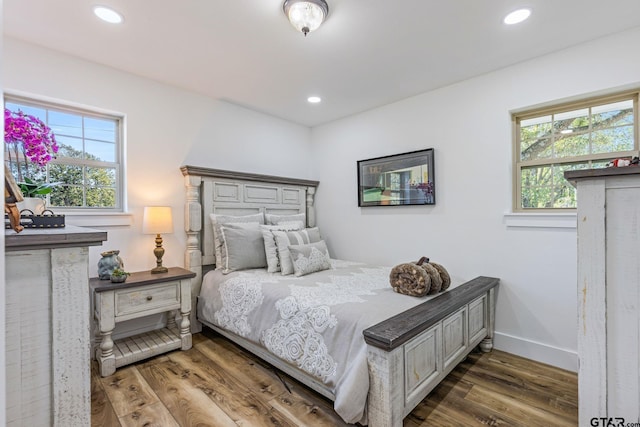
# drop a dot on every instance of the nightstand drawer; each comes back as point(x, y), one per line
point(165, 296)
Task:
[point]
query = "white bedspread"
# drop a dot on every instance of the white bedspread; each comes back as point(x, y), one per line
point(314, 322)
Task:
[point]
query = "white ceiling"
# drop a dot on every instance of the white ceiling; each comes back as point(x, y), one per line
point(368, 53)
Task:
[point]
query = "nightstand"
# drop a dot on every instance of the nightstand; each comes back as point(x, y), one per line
point(143, 294)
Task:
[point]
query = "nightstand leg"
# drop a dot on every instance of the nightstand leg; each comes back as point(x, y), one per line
point(106, 358)
point(185, 330)
point(171, 320)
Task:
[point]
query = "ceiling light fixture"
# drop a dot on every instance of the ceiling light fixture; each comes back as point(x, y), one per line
point(517, 16)
point(107, 14)
point(314, 99)
point(306, 15)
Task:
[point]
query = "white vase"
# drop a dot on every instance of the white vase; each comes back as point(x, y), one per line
point(33, 204)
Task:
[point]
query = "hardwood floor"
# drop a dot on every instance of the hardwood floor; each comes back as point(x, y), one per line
point(218, 384)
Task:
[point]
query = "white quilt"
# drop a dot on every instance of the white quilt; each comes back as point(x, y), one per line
point(314, 322)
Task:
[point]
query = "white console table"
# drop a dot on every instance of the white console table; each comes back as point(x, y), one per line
point(608, 293)
point(48, 369)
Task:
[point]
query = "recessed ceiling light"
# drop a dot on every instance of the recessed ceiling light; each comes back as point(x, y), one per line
point(314, 99)
point(517, 16)
point(107, 14)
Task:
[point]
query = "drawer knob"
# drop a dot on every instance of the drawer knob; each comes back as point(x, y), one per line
point(149, 298)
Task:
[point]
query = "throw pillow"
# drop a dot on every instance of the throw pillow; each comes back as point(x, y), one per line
point(309, 258)
point(274, 219)
point(285, 238)
point(270, 247)
point(218, 220)
point(242, 248)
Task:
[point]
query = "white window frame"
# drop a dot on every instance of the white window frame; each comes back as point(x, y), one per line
point(519, 165)
point(89, 216)
point(119, 163)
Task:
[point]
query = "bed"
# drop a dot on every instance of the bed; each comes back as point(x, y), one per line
point(398, 353)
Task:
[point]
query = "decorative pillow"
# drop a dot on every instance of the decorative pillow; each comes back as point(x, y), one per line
point(309, 258)
point(242, 248)
point(289, 225)
point(218, 219)
point(270, 247)
point(273, 219)
point(286, 238)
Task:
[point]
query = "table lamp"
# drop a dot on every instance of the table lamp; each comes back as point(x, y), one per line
point(157, 220)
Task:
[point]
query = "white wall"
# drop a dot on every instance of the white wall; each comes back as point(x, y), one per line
point(166, 128)
point(469, 126)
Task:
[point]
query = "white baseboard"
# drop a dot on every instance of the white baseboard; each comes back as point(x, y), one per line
point(544, 353)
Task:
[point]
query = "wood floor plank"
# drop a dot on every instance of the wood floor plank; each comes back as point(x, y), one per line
point(102, 413)
point(155, 415)
point(198, 338)
point(442, 417)
point(238, 401)
point(296, 400)
point(444, 406)
point(261, 378)
point(188, 404)
point(515, 409)
point(128, 391)
point(537, 377)
point(535, 394)
point(532, 370)
point(305, 411)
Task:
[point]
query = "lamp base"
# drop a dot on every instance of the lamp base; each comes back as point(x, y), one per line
point(158, 252)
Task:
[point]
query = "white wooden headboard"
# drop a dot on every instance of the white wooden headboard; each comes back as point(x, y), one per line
point(235, 193)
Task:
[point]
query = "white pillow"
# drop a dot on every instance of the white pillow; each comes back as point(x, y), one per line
point(242, 248)
point(286, 238)
point(274, 219)
point(218, 219)
point(309, 258)
point(270, 247)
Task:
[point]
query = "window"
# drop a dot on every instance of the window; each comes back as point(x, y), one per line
point(89, 161)
point(581, 135)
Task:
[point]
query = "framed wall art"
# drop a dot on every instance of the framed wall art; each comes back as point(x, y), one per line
point(397, 180)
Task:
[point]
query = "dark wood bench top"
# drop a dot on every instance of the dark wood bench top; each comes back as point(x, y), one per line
point(397, 330)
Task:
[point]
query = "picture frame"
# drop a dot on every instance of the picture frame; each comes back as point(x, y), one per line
point(397, 180)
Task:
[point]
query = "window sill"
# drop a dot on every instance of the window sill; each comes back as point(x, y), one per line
point(98, 219)
point(540, 220)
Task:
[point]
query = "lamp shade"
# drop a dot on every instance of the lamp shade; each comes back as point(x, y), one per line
point(157, 220)
point(306, 15)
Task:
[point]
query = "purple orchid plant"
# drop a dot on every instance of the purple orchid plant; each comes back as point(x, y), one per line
point(27, 135)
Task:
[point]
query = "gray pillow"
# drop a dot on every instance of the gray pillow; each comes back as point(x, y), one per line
point(219, 219)
point(309, 258)
point(286, 238)
point(273, 219)
point(243, 247)
point(270, 247)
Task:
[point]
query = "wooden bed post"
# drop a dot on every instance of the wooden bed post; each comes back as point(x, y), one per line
point(193, 254)
point(311, 213)
point(486, 345)
point(386, 387)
